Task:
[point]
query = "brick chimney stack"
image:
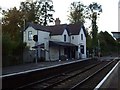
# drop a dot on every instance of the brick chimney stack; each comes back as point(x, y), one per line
point(57, 21)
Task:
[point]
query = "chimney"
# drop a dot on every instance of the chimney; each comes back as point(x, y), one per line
point(57, 21)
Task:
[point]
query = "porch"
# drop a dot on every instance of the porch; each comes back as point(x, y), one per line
point(62, 50)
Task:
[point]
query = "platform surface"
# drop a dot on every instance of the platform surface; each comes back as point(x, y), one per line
point(32, 66)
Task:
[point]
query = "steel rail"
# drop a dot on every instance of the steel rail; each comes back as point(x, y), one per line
point(53, 77)
point(69, 77)
point(92, 75)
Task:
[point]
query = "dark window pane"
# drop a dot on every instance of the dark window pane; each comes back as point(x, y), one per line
point(81, 36)
point(64, 37)
point(82, 49)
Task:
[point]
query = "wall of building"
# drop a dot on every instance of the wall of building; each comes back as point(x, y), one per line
point(54, 53)
point(43, 36)
point(30, 43)
point(82, 42)
point(67, 36)
point(74, 39)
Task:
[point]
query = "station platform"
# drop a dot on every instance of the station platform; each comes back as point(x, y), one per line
point(115, 81)
point(32, 66)
point(112, 80)
point(41, 65)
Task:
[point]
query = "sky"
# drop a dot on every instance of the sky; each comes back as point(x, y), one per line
point(108, 20)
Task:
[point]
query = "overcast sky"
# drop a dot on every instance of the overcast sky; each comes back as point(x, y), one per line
point(108, 19)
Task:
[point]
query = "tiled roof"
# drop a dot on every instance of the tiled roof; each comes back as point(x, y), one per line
point(56, 43)
point(57, 29)
point(72, 29)
point(36, 26)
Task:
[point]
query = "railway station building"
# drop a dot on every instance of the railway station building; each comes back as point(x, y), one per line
point(56, 42)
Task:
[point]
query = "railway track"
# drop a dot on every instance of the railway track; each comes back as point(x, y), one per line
point(58, 77)
point(65, 80)
point(68, 84)
point(66, 76)
point(16, 80)
point(92, 80)
point(87, 77)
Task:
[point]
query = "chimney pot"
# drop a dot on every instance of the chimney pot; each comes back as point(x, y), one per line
point(57, 21)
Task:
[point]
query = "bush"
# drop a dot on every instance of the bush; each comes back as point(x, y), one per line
point(12, 51)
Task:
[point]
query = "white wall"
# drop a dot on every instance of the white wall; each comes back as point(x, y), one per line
point(25, 37)
point(75, 40)
point(67, 36)
point(56, 38)
point(82, 42)
point(54, 53)
point(43, 36)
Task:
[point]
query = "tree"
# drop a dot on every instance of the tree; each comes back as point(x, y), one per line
point(12, 22)
point(108, 44)
point(77, 12)
point(38, 12)
point(88, 41)
point(46, 12)
point(31, 11)
point(93, 12)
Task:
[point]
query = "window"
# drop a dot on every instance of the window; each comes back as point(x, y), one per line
point(81, 36)
point(72, 37)
point(64, 37)
point(82, 49)
point(29, 35)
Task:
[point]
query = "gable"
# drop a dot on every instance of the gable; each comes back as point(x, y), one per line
point(74, 29)
point(82, 32)
point(65, 32)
